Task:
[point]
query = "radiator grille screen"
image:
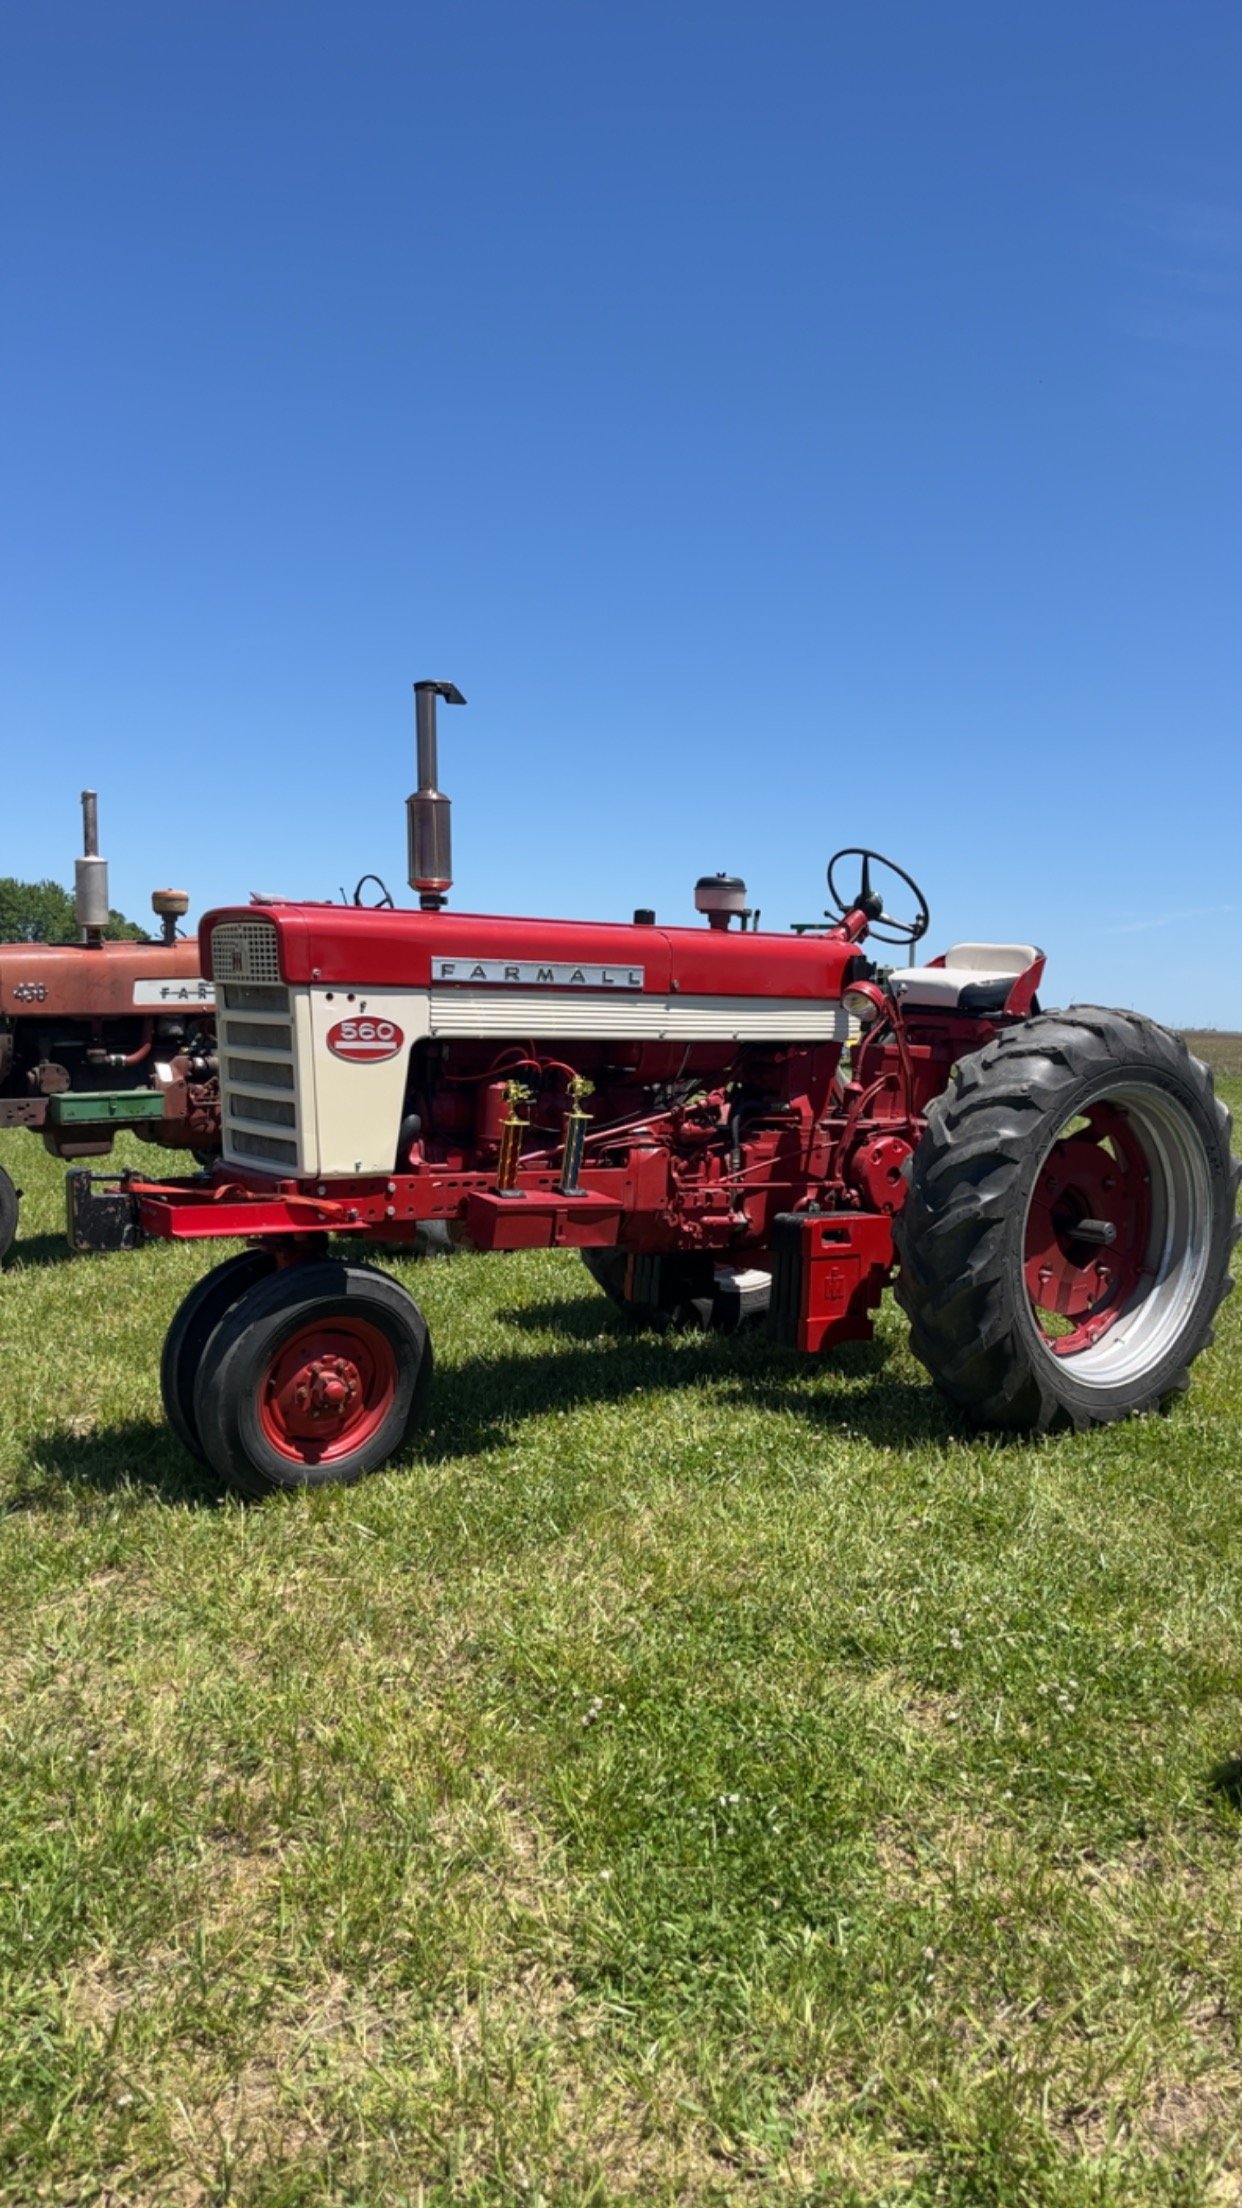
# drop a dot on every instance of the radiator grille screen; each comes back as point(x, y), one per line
point(245, 950)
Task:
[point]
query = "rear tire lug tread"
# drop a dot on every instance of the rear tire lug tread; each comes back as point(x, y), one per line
point(969, 1322)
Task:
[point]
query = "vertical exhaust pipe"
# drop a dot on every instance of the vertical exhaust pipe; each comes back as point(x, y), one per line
point(428, 810)
point(90, 887)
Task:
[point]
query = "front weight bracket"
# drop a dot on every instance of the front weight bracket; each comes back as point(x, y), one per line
point(101, 1213)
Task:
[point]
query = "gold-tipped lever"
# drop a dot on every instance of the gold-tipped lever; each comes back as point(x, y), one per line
point(576, 1124)
point(512, 1129)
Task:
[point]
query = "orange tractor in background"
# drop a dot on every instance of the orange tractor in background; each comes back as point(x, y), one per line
point(100, 1036)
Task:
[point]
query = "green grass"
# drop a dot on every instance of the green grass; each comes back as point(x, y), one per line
point(693, 1777)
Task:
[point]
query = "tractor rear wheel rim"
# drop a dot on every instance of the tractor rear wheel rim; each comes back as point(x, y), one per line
point(1117, 1240)
point(328, 1390)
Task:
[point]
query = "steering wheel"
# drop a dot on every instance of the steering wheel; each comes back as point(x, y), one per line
point(382, 903)
point(871, 902)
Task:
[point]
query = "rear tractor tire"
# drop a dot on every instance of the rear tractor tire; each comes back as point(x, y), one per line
point(10, 1202)
point(1067, 1234)
point(315, 1377)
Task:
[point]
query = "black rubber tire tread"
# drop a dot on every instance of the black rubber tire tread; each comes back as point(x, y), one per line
point(722, 1313)
point(431, 1240)
point(607, 1270)
point(243, 1345)
point(434, 1240)
point(193, 1324)
point(959, 1235)
point(10, 1205)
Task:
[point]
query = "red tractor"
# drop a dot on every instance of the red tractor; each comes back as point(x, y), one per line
point(100, 1036)
point(1051, 1194)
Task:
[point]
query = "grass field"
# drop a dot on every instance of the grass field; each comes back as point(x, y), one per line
point(693, 1777)
point(1221, 1049)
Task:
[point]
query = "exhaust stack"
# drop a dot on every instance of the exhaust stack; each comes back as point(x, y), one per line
point(428, 810)
point(90, 889)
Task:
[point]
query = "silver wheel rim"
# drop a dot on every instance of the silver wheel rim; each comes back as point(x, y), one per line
point(1178, 1256)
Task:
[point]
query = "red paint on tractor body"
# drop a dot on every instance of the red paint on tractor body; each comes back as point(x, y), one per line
point(835, 1271)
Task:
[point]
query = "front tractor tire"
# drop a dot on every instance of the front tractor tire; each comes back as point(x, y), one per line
point(1067, 1234)
point(193, 1325)
point(316, 1376)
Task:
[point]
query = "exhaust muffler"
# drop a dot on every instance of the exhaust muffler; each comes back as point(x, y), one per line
point(428, 810)
point(90, 876)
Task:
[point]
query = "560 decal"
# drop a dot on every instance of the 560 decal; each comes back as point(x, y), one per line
point(365, 1042)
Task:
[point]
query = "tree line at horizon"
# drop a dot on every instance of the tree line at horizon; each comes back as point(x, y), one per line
point(43, 912)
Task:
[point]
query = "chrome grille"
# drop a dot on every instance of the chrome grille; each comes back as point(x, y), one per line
point(243, 1072)
point(246, 1144)
point(255, 996)
point(257, 1034)
point(258, 1086)
point(279, 1111)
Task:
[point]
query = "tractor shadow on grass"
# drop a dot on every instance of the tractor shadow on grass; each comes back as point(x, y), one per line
point(595, 1357)
point(593, 1318)
point(32, 1251)
point(476, 1405)
point(896, 1409)
point(141, 1456)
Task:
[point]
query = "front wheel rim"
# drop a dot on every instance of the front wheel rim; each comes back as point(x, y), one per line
point(1117, 1240)
point(328, 1390)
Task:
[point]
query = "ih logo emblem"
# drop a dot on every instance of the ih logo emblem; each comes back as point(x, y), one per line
point(365, 1042)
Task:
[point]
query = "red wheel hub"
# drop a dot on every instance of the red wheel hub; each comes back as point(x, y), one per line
point(328, 1389)
point(1088, 1231)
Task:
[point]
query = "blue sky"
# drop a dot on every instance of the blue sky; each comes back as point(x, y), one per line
point(792, 426)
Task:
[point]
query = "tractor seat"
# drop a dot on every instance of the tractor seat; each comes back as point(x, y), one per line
point(972, 977)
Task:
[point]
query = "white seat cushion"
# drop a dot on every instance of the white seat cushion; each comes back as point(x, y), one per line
point(965, 967)
point(991, 958)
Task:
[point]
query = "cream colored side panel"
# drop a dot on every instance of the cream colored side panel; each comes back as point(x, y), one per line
point(599, 1016)
point(358, 1106)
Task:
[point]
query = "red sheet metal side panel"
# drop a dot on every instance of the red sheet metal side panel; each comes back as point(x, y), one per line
point(340, 946)
point(710, 962)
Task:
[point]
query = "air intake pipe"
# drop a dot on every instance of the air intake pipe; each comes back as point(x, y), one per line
point(90, 887)
point(428, 810)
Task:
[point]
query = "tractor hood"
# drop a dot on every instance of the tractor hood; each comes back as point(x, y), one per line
point(345, 946)
point(105, 981)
